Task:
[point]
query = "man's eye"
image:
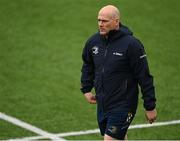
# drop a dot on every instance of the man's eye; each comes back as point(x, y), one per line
point(104, 21)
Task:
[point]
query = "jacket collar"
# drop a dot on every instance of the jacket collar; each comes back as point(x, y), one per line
point(115, 34)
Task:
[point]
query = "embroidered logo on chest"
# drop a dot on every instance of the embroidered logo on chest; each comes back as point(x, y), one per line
point(117, 53)
point(95, 50)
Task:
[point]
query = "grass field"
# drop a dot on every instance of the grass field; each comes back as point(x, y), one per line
point(40, 61)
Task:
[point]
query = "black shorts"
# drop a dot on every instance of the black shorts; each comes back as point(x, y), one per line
point(115, 124)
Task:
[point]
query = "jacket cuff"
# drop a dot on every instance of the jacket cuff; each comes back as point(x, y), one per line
point(86, 90)
point(150, 107)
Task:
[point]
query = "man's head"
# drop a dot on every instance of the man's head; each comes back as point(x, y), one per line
point(108, 19)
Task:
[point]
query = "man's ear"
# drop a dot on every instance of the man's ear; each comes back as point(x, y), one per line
point(117, 22)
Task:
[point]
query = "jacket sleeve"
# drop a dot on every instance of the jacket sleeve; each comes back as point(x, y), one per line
point(140, 69)
point(87, 75)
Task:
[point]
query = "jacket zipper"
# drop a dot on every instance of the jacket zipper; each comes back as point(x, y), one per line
point(105, 54)
point(104, 58)
point(126, 84)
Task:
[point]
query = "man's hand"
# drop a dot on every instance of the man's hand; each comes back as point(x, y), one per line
point(90, 98)
point(151, 116)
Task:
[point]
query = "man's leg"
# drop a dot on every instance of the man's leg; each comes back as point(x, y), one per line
point(117, 125)
point(126, 138)
point(107, 137)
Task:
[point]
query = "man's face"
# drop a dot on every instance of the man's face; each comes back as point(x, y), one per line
point(106, 23)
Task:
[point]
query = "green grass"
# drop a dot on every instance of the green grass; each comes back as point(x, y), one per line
point(8, 130)
point(40, 61)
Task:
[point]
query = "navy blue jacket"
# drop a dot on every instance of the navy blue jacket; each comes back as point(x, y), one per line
point(115, 66)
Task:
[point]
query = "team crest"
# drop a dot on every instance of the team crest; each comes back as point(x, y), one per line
point(95, 50)
point(113, 129)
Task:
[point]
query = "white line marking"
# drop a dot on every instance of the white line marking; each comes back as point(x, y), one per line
point(78, 133)
point(29, 127)
point(131, 127)
point(155, 124)
point(97, 130)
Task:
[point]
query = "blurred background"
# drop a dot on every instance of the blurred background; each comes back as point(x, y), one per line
point(41, 42)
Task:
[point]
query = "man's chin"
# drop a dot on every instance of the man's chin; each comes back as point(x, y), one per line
point(103, 33)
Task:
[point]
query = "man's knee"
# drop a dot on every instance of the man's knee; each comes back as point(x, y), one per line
point(107, 137)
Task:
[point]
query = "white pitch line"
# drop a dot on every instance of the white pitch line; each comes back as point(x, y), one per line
point(97, 130)
point(29, 127)
point(131, 127)
point(155, 124)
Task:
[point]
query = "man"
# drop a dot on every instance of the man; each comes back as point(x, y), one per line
point(115, 63)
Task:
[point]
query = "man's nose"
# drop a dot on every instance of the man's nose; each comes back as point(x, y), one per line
point(100, 23)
